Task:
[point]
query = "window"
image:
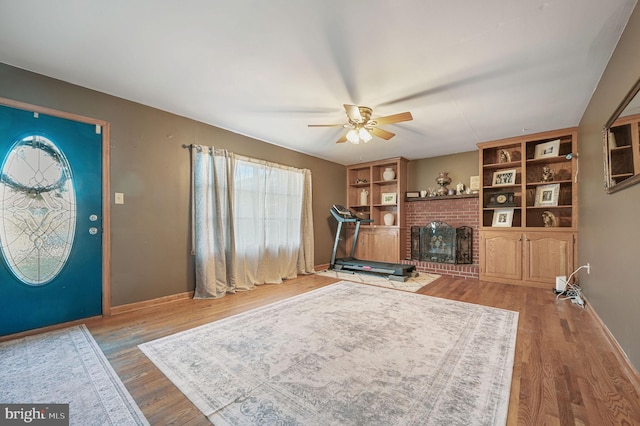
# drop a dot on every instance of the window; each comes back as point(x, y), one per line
point(38, 210)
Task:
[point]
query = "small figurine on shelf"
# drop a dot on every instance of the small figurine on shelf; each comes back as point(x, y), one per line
point(460, 188)
point(548, 219)
point(505, 156)
point(547, 174)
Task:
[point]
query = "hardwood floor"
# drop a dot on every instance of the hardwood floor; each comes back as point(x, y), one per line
point(566, 371)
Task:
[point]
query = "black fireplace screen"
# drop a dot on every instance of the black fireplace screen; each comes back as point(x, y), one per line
point(440, 243)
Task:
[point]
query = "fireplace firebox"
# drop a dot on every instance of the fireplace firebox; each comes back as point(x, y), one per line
point(440, 243)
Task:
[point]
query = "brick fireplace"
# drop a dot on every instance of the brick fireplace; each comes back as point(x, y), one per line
point(456, 211)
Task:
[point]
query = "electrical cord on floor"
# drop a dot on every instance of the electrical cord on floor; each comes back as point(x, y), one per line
point(572, 292)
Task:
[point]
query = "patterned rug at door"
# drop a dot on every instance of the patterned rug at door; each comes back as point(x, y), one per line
point(412, 284)
point(347, 354)
point(65, 367)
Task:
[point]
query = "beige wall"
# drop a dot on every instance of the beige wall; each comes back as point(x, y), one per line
point(150, 232)
point(422, 173)
point(609, 230)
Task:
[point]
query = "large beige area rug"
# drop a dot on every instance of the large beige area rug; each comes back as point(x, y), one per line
point(347, 354)
point(66, 367)
point(412, 284)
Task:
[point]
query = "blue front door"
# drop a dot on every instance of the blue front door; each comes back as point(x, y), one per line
point(50, 220)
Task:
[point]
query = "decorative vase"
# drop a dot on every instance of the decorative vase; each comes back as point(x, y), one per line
point(389, 218)
point(443, 180)
point(363, 197)
point(389, 174)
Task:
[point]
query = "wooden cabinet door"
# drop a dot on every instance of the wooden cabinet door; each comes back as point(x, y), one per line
point(379, 244)
point(384, 245)
point(363, 249)
point(362, 246)
point(548, 255)
point(501, 255)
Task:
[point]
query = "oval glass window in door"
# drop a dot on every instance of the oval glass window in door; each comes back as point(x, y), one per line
point(38, 206)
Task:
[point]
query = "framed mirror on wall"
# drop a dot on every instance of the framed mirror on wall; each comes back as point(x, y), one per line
point(622, 144)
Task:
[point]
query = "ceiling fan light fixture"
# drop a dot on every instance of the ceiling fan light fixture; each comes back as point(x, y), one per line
point(364, 135)
point(353, 136)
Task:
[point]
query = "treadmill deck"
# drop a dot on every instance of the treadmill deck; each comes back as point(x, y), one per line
point(371, 266)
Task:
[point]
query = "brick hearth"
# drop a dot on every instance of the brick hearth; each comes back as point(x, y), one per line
point(456, 211)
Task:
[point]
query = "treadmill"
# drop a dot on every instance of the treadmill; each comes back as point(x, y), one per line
point(394, 271)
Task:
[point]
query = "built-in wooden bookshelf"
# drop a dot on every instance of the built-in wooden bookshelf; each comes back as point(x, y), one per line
point(384, 197)
point(528, 208)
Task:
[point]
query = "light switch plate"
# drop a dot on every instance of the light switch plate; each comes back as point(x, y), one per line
point(119, 199)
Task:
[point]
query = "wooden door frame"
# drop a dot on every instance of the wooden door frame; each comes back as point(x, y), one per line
point(106, 187)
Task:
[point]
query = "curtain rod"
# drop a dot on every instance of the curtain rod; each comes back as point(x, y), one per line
point(245, 158)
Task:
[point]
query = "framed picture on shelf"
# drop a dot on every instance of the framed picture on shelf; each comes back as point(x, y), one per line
point(412, 194)
point(388, 198)
point(504, 177)
point(547, 195)
point(547, 149)
point(474, 183)
point(502, 218)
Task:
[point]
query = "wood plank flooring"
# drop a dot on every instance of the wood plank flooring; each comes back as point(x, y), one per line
point(566, 370)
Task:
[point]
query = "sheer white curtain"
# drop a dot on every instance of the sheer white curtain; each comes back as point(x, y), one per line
point(252, 222)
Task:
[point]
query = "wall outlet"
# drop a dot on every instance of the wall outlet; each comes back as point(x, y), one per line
point(588, 268)
point(561, 283)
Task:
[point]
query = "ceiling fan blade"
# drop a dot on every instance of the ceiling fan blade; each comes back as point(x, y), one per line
point(381, 133)
point(342, 139)
point(325, 125)
point(353, 112)
point(395, 118)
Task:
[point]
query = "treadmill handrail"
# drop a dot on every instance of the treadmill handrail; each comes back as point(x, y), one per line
point(341, 219)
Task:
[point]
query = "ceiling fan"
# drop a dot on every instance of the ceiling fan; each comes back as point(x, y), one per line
point(363, 126)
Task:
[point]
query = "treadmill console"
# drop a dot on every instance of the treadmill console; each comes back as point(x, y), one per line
point(344, 212)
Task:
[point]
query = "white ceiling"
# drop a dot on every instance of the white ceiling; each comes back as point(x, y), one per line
point(468, 70)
